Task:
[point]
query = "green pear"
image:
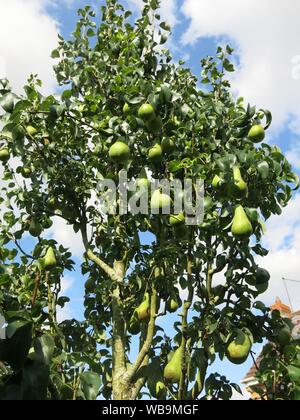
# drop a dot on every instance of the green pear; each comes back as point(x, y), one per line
point(26, 172)
point(146, 112)
point(207, 203)
point(126, 109)
point(216, 182)
point(241, 226)
point(160, 390)
point(160, 202)
point(155, 154)
point(35, 229)
point(4, 155)
point(240, 187)
point(119, 152)
point(178, 219)
point(262, 276)
point(167, 145)
point(31, 131)
point(239, 348)
point(173, 369)
point(173, 305)
point(284, 336)
point(47, 223)
point(143, 311)
point(256, 133)
point(49, 259)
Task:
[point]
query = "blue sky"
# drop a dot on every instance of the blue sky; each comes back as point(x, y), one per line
point(266, 37)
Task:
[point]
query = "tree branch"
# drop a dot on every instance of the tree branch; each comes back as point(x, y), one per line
point(118, 345)
point(186, 306)
point(97, 260)
point(147, 344)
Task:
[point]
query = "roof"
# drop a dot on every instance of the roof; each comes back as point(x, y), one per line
point(250, 378)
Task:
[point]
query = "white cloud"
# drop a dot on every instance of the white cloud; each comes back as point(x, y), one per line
point(65, 236)
point(27, 37)
point(293, 154)
point(64, 313)
point(283, 240)
point(266, 34)
point(284, 227)
point(67, 311)
point(66, 284)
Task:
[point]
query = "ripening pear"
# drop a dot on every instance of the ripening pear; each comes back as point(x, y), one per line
point(173, 305)
point(239, 348)
point(241, 226)
point(35, 229)
point(167, 145)
point(240, 188)
point(4, 154)
point(284, 336)
point(49, 259)
point(119, 152)
point(217, 181)
point(160, 390)
point(143, 311)
point(177, 219)
point(256, 133)
point(160, 202)
point(143, 181)
point(126, 109)
point(146, 112)
point(31, 131)
point(155, 154)
point(173, 369)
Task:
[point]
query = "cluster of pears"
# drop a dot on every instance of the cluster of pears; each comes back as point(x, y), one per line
point(120, 152)
point(140, 315)
point(239, 347)
point(241, 225)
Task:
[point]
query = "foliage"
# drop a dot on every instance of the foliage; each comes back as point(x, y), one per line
point(64, 141)
point(279, 370)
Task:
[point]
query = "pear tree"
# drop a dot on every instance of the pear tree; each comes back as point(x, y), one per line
point(124, 104)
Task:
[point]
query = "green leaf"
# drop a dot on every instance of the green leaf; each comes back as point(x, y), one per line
point(294, 373)
point(14, 349)
point(44, 348)
point(35, 379)
point(90, 385)
point(7, 102)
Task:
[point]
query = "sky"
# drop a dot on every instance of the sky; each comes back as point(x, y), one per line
point(265, 35)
